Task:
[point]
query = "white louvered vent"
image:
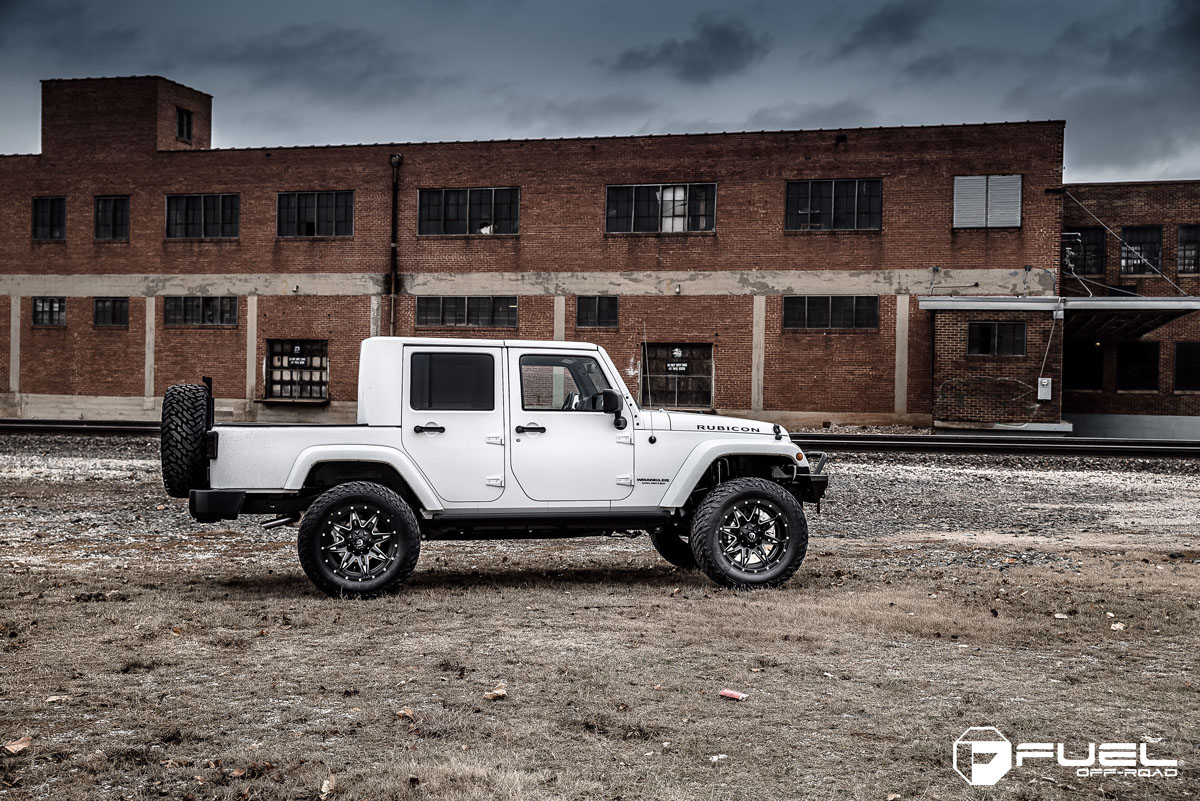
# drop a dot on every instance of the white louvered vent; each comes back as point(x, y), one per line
point(970, 201)
point(1004, 201)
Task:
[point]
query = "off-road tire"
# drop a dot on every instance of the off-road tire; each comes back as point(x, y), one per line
point(183, 452)
point(673, 543)
point(368, 498)
point(719, 504)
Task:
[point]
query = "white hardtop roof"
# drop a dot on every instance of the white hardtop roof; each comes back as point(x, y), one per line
point(487, 343)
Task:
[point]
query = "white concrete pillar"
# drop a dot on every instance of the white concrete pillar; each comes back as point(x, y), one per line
point(251, 346)
point(758, 350)
point(375, 315)
point(14, 344)
point(560, 318)
point(148, 359)
point(901, 388)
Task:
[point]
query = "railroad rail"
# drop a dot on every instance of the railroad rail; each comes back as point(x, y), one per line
point(830, 442)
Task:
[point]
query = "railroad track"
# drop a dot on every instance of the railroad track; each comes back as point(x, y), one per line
point(831, 442)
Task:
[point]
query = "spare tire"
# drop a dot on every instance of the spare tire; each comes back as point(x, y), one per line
point(184, 425)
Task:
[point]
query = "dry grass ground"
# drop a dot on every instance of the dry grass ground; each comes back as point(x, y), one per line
point(147, 658)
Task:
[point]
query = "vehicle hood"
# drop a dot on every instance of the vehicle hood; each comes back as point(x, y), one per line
point(717, 424)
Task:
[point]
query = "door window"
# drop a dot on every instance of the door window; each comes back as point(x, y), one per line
point(453, 381)
point(560, 383)
point(677, 375)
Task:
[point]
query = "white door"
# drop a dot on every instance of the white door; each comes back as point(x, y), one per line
point(454, 419)
point(561, 449)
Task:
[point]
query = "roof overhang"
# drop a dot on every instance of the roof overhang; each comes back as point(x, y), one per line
point(1084, 318)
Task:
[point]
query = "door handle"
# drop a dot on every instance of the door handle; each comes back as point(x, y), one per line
point(532, 429)
point(431, 429)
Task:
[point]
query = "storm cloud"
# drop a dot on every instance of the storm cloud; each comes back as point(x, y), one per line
point(717, 48)
point(897, 23)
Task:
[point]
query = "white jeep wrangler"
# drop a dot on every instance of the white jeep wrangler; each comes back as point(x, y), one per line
point(485, 438)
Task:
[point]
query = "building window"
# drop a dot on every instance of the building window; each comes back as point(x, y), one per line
point(202, 216)
point(987, 201)
point(1188, 258)
point(1083, 251)
point(481, 311)
point(1187, 366)
point(112, 217)
point(1083, 364)
point(303, 214)
point(1137, 366)
point(658, 208)
point(183, 124)
point(50, 218)
point(469, 211)
point(298, 369)
point(49, 311)
point(996, 339)
point(1141, 249)
point(453, 382)
point(108, 312)
point(677, 375)
point(834, 205)
point(200, 310)
point(596, 311)
point(802, 312)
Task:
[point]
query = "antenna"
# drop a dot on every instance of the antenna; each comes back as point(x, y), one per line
point(649, 397)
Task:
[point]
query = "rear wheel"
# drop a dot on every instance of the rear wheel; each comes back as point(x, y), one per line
point(359, 539)
point(749, 532)
point(672, 542)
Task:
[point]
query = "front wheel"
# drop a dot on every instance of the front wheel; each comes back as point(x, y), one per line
point(359, 539)
point(749, 532)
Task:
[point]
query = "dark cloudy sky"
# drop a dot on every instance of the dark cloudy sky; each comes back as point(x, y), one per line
point(1125, 74)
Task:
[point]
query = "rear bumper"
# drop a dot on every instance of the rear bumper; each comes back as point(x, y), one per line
point(809, 487)
point(209, 506)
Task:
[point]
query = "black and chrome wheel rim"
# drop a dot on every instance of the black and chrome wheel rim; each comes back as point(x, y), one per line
point(359, 543)
point(753, 536)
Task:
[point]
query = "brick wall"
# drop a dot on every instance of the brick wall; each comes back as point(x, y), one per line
point(79, 358)
point(184, 353)
point(344, 322)
point(995, 388)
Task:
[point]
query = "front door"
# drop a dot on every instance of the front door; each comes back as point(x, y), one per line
point(562, 448)
point(454, 420)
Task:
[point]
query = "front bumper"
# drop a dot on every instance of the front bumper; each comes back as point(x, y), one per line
point(809, 487)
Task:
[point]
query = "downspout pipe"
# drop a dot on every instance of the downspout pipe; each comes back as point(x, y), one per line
point(394, 273)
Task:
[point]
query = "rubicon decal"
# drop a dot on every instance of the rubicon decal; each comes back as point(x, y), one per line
point(983, 756)
point(745, 429)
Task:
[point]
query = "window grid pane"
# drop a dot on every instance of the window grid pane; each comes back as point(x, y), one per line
point(50, 218)
point(111, 312)
point(202, 216)
point(298, 369)
point(1187, 366)
point(482, 311)
point(1188, 256)
point(49, 311)
point(830, 312)
point(1141, 252)
point(200, 310)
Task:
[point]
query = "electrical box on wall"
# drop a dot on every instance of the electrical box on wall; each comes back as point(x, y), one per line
point(1043, 389)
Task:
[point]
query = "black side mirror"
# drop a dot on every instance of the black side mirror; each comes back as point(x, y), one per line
point(611, 403)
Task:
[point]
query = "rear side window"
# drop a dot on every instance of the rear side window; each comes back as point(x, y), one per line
point(453, 382)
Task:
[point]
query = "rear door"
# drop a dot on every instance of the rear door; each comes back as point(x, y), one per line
point(454, 419)
point(561, 450)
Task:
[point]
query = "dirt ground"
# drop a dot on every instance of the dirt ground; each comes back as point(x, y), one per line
point(147, 657)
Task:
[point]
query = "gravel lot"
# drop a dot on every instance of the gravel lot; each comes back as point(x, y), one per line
point(146, 656)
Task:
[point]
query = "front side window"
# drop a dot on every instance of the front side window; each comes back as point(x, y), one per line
point(473, 311)
point(659, 208)
point(110, 312)
point(830, 311)
point(1188, 258)
point(49, 311)
point(596, 311)
point(563, 383)
point(1137, 366)
point(200, 310)
point(987, 201)
point(202, 216)
point(50, 218)
point(477, 212)
point(996, 339)
point(298, 369)
point(452, 382)
point(852, 205)
point(305, 214)
point(112, 218)
point(1141, 249)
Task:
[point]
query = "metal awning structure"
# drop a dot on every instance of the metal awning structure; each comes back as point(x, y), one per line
point(1117, 318)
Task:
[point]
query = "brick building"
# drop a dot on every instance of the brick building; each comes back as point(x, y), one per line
point(782, 275)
